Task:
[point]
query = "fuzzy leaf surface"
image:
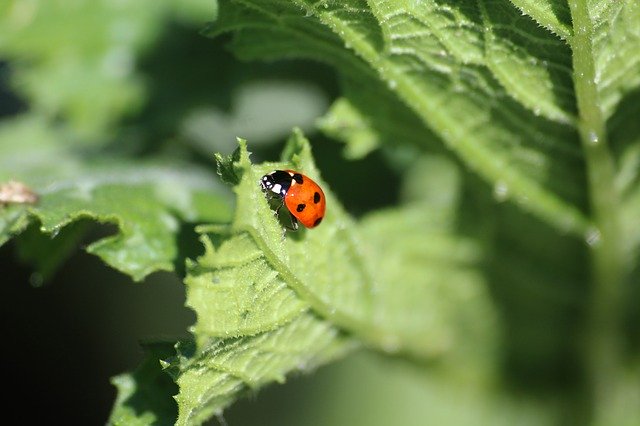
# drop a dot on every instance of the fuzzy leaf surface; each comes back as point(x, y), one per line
point(270, 303)
point(456, 66)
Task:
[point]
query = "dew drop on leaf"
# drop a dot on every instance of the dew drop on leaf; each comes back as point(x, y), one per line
point(36, 280)
point(54, 232)
point(593, 237)
point(501, 191)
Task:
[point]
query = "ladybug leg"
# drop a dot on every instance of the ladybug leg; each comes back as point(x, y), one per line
point(294, 223)
point(278, 209)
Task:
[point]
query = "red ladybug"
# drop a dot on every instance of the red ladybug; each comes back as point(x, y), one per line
point(302, 196)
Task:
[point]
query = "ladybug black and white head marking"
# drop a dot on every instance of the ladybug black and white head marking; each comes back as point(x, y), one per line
point(280, 181)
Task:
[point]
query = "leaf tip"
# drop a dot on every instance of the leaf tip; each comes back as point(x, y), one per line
point(229, 167)
point(298, 151)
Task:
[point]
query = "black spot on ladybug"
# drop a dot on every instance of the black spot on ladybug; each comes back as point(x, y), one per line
point(317, 222)
point(298, 178)
point(316, 197)
point(300, 207)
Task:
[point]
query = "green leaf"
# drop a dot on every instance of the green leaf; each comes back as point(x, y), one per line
point(351, 119)
point(534, 68)
point(540, 100)
point(13, 220)
point(432, 56)
point(613, 29)
point(146, 200)
point(346, 123)
point(224, 287)
point(436, 270)
point(224, 369)
point(145, 396)
point(552, 15)
point(534, 105)
point(269, 303)
point(44, 253)
point(225, 167)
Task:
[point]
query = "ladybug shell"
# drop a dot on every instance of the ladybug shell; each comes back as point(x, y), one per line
point(305, 201)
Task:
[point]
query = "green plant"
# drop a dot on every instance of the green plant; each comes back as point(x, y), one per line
point(510, 253)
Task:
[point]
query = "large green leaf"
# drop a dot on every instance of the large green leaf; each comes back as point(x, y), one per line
point(432, 56)
point(147, 200)
point(539, 99)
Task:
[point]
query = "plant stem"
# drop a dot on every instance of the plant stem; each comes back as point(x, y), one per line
point(603, 346)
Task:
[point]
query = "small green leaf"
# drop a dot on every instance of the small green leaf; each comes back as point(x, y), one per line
point(345, 122)
point(350, 120)
point(145, 396)
point(614, 36)
point(534, 68)
point(550, 14)
point(224, 369)
point(13, 220)
point(225, 167)
point(147, 200)
point(45, 253)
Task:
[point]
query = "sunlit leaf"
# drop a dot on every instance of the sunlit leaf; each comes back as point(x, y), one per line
point(270, 303)
point(431, 56)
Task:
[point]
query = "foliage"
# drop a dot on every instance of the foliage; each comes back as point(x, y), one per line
point(509, 252)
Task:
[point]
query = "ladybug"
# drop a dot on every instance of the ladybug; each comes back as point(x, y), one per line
point(302, 196)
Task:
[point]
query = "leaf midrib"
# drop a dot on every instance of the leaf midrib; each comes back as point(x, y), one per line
point(362, 327)
point(528, 193)
point(566, 217)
